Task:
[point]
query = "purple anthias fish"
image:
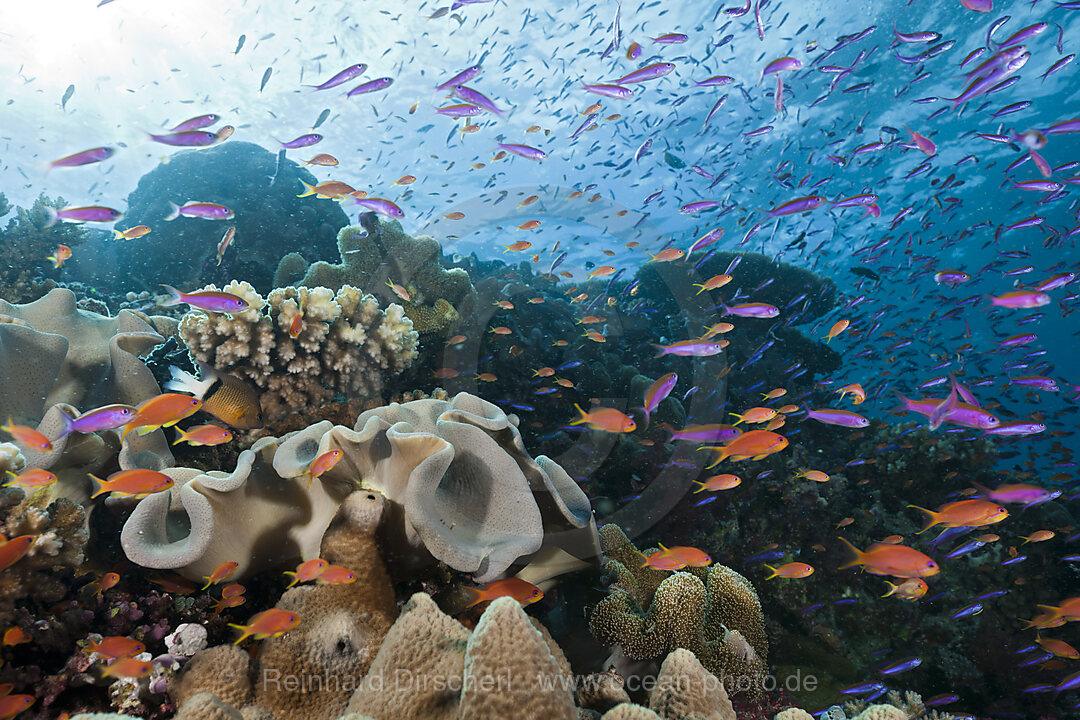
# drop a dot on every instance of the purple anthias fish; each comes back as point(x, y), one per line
point(698, 206)
point(691, 348)
point(1018, 494)
point(617, 92)
point(587, 124)
point(1037, 382)
point(964, 414)
point(782, 65)
point(86, 157)
point(459, 110)
point(381, 206)
point(649, 72)
point(526, 151)
point(671, 39)
point(1017, 429)
point(477, 98)
point(108, 417)
point(211, 300)
point(754, 310)
point(706, 433)
point(196, 123)
point(187, 138)
point(1055, 282)
point(353, 71)
point(371, 86)
point(941, 411)
point(302, 141)
point(657, 392)
point(716, 81)
point(843, 418)
point(204, 210)
point(461, 78)
point(798, 205)
point(973, 609)
point(901, 666)
point(90, 213)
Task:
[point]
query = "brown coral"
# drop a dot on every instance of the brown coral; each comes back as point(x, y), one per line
point(685, 689)
point(432, 318)
point(224, 670)
point(650, 613)
point(25, 274)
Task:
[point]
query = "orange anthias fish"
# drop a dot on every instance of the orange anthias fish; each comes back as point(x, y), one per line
point(16, 636)
point(27, 436)
point(838, 327)
point(133, 483)
point(163, 410)
point(12, 705)
point(306, 571)
point(896, 560)
point(11, 551)
point(322, 159)
point(791, 570)
point(127, 667)
point(756, 444)
point(719, 482)
point(108, 581)
point(855, 390)
point(336, 575)
point(399, 290)
point(911, 589)
point(222, 572)
point(268, 623)
point(755, 415)
point(602, 271)
point(524, 592)
point(201, 435)
point(713, 283)
point(668, 255)
point(58, 258)
point(131, 233)
point(1069, 609)
point(31, 478)
point(1060, 648)
point(116, 646)
point(964, 513)
point(676, 558)
point(322, 464)
point(606, 420)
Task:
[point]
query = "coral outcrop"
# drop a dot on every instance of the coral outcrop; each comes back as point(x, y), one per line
point(27, 240)
point(56, 358)
point(460, 485)
point(260, 186)
point(345, 344)
point(378, 250)
point(714, 612)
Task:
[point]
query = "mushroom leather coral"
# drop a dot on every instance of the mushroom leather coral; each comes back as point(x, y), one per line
point(649, 613)
point(461, 483)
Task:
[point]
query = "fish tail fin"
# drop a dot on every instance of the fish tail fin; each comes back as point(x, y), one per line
point(181, 436)
point(476, 596)
point(981, 488)
point(738, 416)
point(856, 552)
point(661, 351)
point(209, 582)
point(1053, 610)
point(701, 486)
point(584, 416)
point(310, 190)
point(101, 490)
point(175, 297)
point(295, 578)
point(174, 211)
point(244, 630)
point(931, 518)
point(53, 216)
point(69, 426)
point(117, 234)
point(892, 589)
point(905, 405)
point(184, 382)
point(772, 570)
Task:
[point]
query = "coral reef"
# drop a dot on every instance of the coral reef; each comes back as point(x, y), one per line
point(461, 488)
point(56, 358)
point(346, 345)
point(713, 612)
point(56, 552)
point(341, 628)
point(261, 187)
point(379, 250)
point(27, 240)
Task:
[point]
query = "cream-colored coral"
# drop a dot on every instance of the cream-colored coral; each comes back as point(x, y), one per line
point(345, 344)
point(685, 689)
point(206, 706)
point(224, 670)
point(882, 712)
point(793, 713)
point(713, 612)
point(11, 459)
point(626, 711)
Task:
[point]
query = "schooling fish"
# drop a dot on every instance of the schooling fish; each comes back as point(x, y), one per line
point(266, 75)
point(132, 483)
point(226, 397)
point(108, 417)
point(524, 592)
point(657, 392)
point(606, 420)
point(353, 71)
point(86, 157)
point(268, 623)
point(204, 210)
point(163, 410)
point(90, 213)
point(28, 437)
point(896, 560)
point(196, 123)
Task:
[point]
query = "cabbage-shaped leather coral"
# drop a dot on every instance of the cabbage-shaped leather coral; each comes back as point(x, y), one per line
point(460, 486)
point(345, 344)
point(714, 612)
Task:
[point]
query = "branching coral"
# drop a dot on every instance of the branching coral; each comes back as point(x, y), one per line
point(713, 612)
point(346, 344)
point(25, 274)
point(377, 251)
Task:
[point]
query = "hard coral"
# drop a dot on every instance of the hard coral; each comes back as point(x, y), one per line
point(25, 274)
point(379, 250)
point(714, 612)
point(346, 344)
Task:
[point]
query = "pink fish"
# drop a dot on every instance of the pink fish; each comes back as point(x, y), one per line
point(657, 392)
point(617, 92)
point(711, 433)
point(782, 65)
point(754, 310)
point(461, 78)
point(649, 72)
point(381, 206)
point(526, 151)
point(186, 138)
point(981, 6)
point(302, 141)
point(477, 98)
point(798, 205)
point(212, 300)
point(90, 213)
point(86, 157)
point(963, 414)
point(371, 86)
point(204, 210)
point(843, 418)
point(1021, 299)
point(353, 71)
point(196, 123)
point(691, 348)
